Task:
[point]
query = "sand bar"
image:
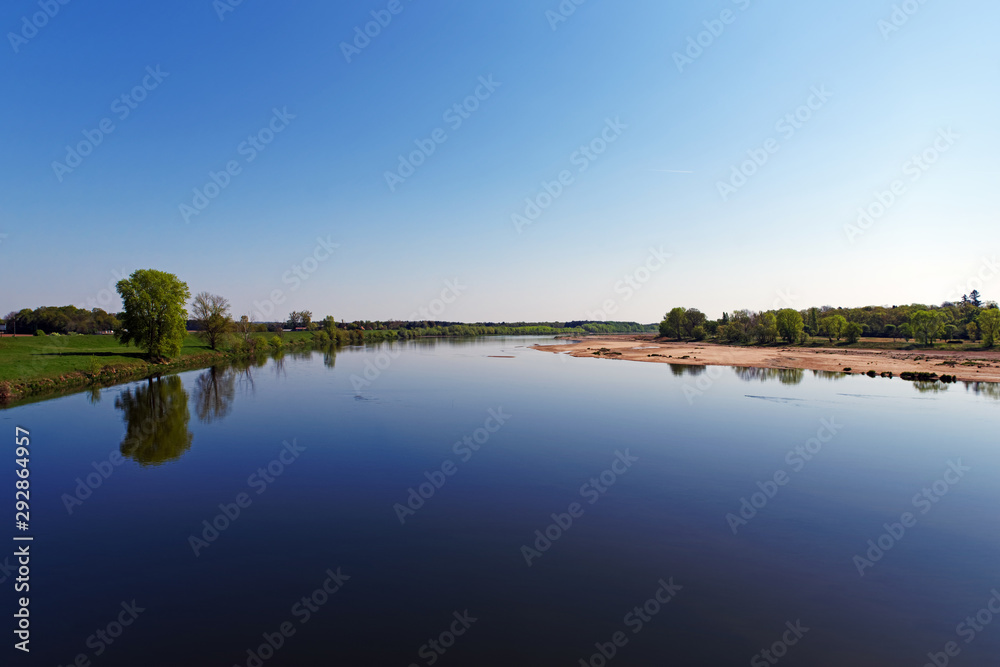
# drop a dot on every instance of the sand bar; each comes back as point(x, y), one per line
point(969, 366)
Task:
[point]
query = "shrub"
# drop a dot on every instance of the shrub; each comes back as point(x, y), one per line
point(276, 342)
point(39, 332)
point(698, 332)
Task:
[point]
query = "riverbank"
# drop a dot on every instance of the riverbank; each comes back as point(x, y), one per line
point(44, 366)
point(964, 365)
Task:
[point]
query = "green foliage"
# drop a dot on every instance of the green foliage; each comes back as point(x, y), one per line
point(852, 332)
point(833, 326)
point(766, 328)
point(676, 320)
point(94, 366)
point(972, 331)
point(153, 317)
point(276, 343)
point(989, 326)
point(39, 332)
point(790, 324)
point(926, 325)
point(698, 332)
point(693, 318)
point(62, 320)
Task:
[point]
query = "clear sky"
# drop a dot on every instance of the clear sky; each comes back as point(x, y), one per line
point(310, 115)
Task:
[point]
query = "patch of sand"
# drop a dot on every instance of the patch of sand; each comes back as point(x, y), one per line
point(969, 366)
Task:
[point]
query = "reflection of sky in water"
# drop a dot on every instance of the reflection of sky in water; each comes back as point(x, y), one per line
point(375, 420)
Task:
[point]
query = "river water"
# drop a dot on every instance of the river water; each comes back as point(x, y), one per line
point(476, 502)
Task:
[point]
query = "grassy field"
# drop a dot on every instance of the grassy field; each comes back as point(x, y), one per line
point(30, 358)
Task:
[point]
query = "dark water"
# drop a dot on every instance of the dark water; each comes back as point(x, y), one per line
point(640, 463)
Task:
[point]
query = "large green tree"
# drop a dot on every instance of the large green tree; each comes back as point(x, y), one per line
point(675, 321)
point(766, 328)
point(989, 326)
point(211, 311)
point(153, 317)
point(693, 318)
point(926, 325)
point(853, 331)
point(790, 324)
point(834, 326)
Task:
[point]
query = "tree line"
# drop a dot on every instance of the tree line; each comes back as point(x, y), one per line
point(971, 319)
point(155, 318)
point(60, 320)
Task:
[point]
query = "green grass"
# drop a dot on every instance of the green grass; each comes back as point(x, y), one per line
point(24, 359)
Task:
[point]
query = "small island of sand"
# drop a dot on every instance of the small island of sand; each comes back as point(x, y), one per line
point(967, 366)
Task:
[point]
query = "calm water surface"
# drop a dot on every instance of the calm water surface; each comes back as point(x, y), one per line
point(410, 480)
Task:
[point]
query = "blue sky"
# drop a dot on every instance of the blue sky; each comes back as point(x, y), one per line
point(787, 236)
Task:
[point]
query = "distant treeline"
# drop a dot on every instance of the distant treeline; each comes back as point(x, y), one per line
point(61, 320)
point(971, 319)
point(70, 319)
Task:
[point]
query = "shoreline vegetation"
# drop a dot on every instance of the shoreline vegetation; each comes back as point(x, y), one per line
point(70, 347)
point(45, 366)
point(951, 342)
point(956, 363)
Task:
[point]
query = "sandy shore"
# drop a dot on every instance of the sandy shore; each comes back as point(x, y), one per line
point(978, 366)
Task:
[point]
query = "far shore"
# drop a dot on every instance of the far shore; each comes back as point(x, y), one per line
point(965, 365)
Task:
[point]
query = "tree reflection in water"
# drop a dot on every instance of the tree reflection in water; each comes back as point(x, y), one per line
point(214, 391)
point(789, 376)
point(156, 421)
point(987, 389)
